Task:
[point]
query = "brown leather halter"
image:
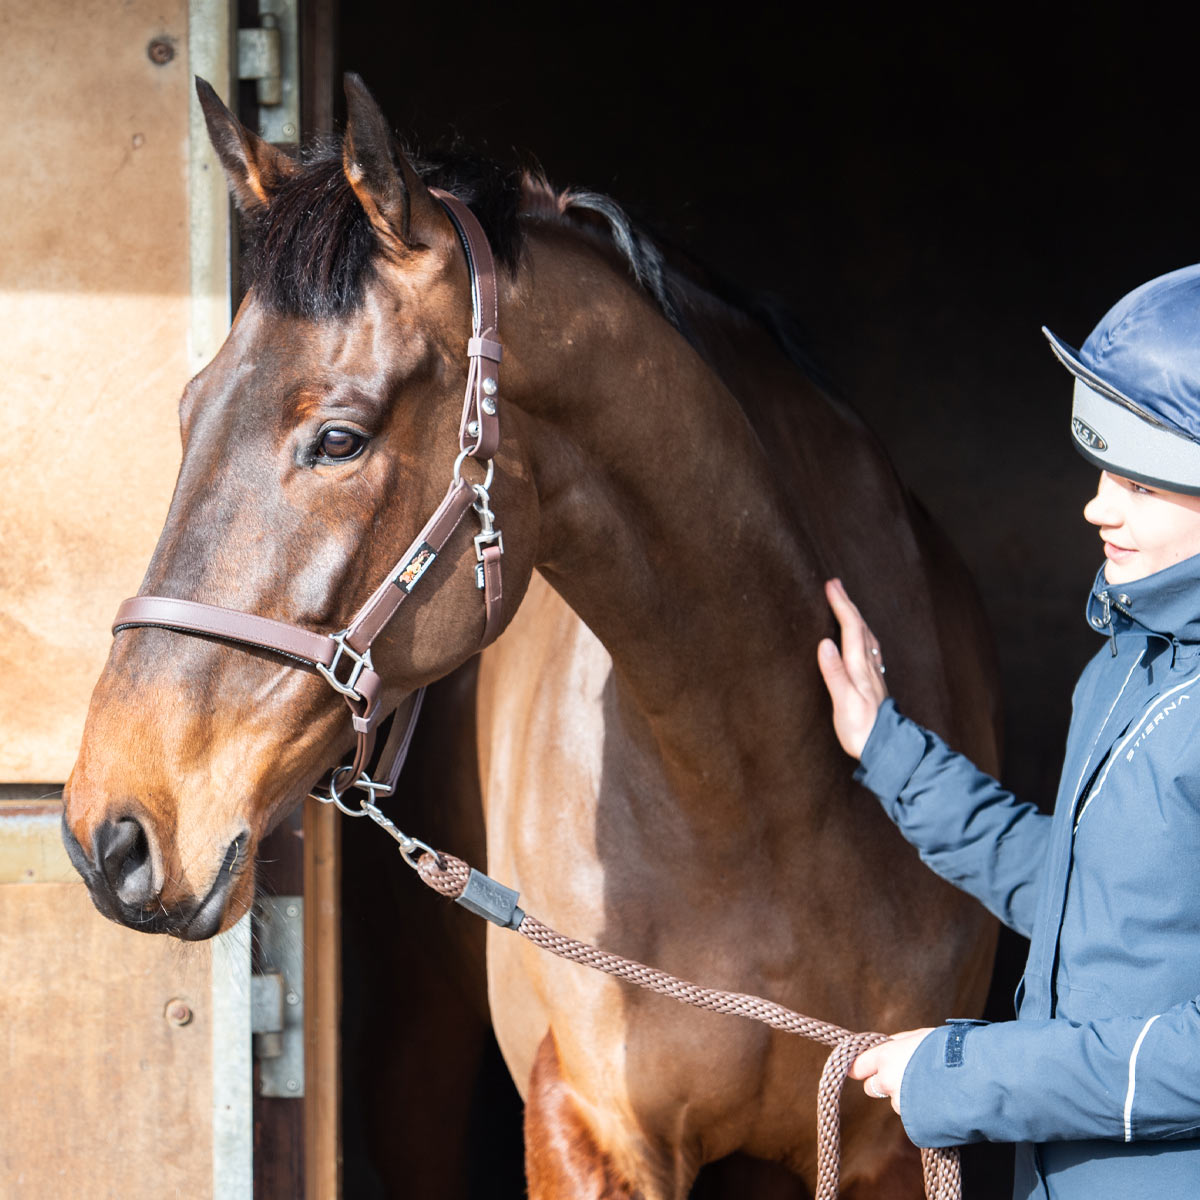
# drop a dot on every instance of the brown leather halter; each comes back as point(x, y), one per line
point(344, 658)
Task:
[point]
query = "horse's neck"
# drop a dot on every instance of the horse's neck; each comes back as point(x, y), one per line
point(663, 528)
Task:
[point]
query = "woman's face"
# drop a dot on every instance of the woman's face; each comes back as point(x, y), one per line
point(1143, 529)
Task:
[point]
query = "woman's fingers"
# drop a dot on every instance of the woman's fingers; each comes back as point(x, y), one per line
point(860, 648)
point(854, 708)
point(846, 611)
point(866, 1064)
point(854, 676)
point(833, 670)
point(882, 1067)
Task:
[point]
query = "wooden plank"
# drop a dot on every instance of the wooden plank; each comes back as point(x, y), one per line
point(31, 849)
point(104, 1095)
point(297, 1147)
point(279, 1165)
point(323, 996)
point(321, 823)
point(94, 303)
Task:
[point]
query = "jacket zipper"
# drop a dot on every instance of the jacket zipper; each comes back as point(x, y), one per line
point(1121, 603)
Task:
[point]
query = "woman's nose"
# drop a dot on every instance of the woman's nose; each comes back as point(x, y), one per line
point(1100, 509)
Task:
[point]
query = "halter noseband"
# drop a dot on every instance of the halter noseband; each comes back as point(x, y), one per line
point(344, 658)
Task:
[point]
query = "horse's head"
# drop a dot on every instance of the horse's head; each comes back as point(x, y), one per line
point(315, 446)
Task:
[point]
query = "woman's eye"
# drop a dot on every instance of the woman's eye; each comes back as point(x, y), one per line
point(338, 445)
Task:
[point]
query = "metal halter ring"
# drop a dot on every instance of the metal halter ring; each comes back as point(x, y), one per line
point(463, 456)
point(335, 797)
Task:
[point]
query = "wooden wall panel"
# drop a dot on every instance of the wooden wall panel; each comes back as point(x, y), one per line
point(94, 304)
point(106, 1096)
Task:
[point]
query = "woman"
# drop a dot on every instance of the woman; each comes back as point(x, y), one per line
point(1098, 1080)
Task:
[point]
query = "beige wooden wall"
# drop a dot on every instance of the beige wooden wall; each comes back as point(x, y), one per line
point(106, 1038)
point(119, 1052)
point(94, 308)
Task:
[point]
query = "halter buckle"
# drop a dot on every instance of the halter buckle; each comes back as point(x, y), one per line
point(487, 538)
point(361, 663)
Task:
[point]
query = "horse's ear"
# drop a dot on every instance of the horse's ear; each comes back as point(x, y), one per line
point(394, 197)
point(255, 169)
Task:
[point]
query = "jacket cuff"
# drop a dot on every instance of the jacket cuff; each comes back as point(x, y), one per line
point(923, 1089)
point(893, 752)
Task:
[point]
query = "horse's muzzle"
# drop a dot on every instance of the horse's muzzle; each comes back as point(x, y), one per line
point(125, 886)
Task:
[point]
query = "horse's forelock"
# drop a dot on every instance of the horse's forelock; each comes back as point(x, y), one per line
point(313, 250)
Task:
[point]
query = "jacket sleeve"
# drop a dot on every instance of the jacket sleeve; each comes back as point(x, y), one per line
point(1120, 1078)
point(965, 826)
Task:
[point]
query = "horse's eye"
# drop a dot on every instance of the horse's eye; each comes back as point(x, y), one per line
point(338, 445)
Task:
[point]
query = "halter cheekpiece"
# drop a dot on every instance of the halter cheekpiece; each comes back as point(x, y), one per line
point(344, 658)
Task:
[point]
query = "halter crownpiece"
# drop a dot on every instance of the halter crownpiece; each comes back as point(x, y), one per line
point(1136, 408)
point(344, 658)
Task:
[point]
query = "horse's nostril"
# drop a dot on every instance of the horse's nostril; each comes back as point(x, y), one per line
point(123, 855)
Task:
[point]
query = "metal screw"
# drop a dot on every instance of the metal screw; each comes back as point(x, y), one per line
point(292, 998)
point(177, 1013)
point(160, 51)
point(289, 130)
point(489, 385)
point(292, 910)
point(293, 1085)
point(473, 429)
point(489, 406)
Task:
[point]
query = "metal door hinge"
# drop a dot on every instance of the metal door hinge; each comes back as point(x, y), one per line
point(277, 996)
point(270, 55)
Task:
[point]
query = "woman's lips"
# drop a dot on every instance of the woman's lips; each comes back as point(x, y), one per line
point(1117, 553)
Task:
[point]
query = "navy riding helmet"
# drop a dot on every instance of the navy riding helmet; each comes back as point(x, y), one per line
point(1137, 384)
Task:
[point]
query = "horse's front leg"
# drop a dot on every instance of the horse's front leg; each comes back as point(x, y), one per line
point(566, 1157)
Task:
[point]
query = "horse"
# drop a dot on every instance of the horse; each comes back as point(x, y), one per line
point(654, 752)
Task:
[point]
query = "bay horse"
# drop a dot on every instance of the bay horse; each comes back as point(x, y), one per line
point(658, 770)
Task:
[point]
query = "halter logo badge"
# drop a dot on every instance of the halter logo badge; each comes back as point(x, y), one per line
point(1087, 435)
point(408, 575)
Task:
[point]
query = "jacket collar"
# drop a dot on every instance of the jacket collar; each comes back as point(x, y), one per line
point(1166, 603)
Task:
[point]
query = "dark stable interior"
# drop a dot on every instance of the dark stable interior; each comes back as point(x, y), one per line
point(923, 190)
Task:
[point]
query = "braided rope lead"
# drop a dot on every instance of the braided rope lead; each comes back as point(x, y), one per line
point(943, 1181)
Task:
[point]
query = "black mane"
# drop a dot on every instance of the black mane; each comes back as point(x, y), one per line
point(313, 251)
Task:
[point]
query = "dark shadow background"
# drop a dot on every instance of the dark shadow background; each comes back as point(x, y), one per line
point(924, 188)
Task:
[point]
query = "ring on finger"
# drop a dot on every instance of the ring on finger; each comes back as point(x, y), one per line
point(874, 1090)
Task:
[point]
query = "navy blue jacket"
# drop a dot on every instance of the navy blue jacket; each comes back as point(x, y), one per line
point(1098, 1080)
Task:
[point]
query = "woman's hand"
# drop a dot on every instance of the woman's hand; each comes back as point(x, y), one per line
point(882, 1067)
point(855, 676)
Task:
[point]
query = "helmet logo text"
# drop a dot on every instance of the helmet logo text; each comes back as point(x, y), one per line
point(1087, 435)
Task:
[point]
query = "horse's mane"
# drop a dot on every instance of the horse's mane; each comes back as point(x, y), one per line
point(313, 251)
